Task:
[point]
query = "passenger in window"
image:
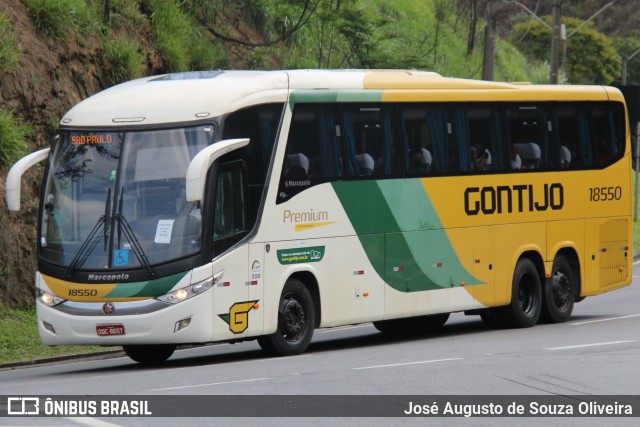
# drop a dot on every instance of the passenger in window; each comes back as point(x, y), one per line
point(565, 157)
point(480, 158)
point(420, 161)
point(296, 166)
point(516, 161)
point(530, 154)
point(366, 164)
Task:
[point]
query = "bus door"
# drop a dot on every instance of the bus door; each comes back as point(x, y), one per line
point(231, 300)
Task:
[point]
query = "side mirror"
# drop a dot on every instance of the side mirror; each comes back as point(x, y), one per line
point(14, 177)
point(199, 166)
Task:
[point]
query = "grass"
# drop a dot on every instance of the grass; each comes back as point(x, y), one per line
point(9, 53)
point(55, 18)
point(19, 340)
point(126, 59)
point(13, 136)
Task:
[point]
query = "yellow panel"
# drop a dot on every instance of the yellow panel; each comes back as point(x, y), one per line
point(484, 265)
point(511, 242)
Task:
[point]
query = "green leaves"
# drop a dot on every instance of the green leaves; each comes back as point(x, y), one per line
point(590, 59)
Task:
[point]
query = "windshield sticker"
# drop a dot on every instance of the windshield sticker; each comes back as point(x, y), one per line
point(120, 258)
point(163, 231)
point(300, 255)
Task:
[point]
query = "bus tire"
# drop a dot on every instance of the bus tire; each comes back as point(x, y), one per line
point(149, 354)
point(411, 324)
point(559, 294)
point(526, 296)
point(296, 319)
point(492, 318)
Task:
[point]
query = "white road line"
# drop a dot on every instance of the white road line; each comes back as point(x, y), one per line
point(91, 422)
point(210, 384)
point(636, 262)
point(569, 347)
point(279, 358)
point(326, 331)
point(603, 320)
point(408, 363)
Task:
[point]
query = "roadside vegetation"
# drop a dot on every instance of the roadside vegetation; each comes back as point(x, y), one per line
point(19, 340)
point(9, 53)
point(13, 135)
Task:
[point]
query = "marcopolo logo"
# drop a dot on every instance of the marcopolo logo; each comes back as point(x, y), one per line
point(300, 255)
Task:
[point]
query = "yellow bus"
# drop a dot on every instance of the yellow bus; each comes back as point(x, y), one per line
point(235, 205)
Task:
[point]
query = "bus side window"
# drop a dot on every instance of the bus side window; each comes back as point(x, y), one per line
point(314, 150)
point(528, 129)
point(369, 139)
point(260, 124)
point(479, 136)
point(607, 120)
point(573, 131)
point(425, 131)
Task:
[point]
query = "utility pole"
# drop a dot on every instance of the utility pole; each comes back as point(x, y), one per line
point(489, 48)
point(555, 38)
point(625, 61)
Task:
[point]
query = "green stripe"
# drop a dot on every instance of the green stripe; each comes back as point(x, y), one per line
point(332, 96)
point(402, 235)
point(149, 288)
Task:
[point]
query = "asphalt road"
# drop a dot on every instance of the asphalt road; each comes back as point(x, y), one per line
point(596, 353)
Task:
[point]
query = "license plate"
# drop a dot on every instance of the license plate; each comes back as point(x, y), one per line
point(108, 330)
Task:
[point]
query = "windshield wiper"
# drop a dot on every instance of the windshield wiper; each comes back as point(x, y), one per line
point(92, 239)
point(129, 234)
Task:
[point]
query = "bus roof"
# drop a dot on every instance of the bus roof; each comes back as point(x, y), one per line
point(191, 96)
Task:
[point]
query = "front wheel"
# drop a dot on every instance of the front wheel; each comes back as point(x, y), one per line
point(559, 295)
point(149, 354)
point(526, 296)
point(296, 321)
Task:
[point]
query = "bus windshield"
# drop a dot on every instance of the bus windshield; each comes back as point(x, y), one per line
point(117, 199)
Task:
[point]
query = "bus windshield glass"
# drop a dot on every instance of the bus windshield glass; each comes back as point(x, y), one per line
point(117, 199)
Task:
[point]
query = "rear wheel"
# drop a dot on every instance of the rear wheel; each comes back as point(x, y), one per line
point(295, 322)
point(149, 354)
point(526, 296)
point(559, 295)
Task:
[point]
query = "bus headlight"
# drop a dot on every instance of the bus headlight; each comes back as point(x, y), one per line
point(48, 298)
point(185, 293)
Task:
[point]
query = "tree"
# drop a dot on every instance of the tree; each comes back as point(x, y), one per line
point(627, 46)
point(591, 58)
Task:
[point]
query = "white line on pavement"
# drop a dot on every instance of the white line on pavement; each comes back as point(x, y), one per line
point(603, 320)
point(569, 347)
point(210, 384)
point(408, 363)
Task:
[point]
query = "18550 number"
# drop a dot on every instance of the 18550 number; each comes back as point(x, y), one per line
point(604, 194)
point(83, 292)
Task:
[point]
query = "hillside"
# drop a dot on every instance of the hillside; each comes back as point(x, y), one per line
point(49, 79)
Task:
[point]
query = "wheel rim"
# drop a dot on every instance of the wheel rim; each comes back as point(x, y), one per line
point(526, 297)
point(293, 319)
point(561, 289)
